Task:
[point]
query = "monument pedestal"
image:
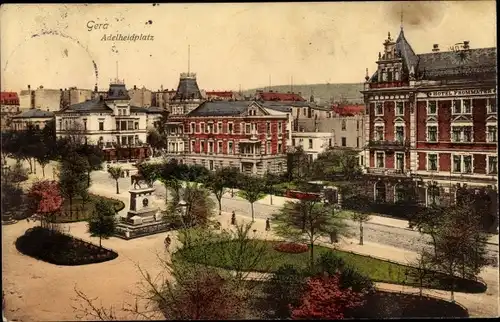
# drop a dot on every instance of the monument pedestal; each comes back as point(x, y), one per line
point(142, 219)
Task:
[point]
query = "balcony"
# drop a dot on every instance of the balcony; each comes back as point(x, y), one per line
point(388, 85)
point(389, 172)
point(389, 145)
point(250, 155)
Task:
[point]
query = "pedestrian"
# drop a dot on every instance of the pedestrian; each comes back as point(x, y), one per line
point(167, 242)
point(233, 219)
point(268, 225)
point(333, 237)
point(28, 219)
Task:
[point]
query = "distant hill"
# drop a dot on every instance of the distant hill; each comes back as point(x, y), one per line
point(325, 92)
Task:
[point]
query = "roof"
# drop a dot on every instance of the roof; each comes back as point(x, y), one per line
point(277, 107)
point(8, 98)
point(187, 88)
point(93, 105)
point(444, 64)
point(138, 109)
point(117, 92)
point(221, 108)
point(286, 103)
point(155, 109)
point(348, 110)
point(276, 96)
point(34, 113)
point(221, 94)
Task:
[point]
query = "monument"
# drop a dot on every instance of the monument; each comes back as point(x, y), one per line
point(143, 218)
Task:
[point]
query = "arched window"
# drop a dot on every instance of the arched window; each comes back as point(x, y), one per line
point(399, 193)
point(380, 192)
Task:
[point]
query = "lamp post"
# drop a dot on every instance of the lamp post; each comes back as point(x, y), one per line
point(182, 207)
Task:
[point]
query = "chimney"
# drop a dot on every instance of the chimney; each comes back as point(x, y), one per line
point(435, 48)
point(135, 87)
point(29, 87)
point(466, 45)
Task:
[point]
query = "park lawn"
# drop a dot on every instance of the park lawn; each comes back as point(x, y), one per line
point(376, 269)
point(81, 214)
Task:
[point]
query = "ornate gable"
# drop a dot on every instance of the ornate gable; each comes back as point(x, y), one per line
point(462, 119)
point(379, 119)
point(432, 119)
point(399, 119)
point(254, 109)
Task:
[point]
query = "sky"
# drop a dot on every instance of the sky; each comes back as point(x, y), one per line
point(231, 44)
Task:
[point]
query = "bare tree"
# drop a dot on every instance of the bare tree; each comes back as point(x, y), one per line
point(116, 173)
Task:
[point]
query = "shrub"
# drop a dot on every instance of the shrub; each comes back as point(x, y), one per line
point(293, 248)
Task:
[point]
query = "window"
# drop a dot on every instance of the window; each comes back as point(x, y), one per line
point(400, 159)
point(230, 128)
point(462, 106)
point(248, 128)
point(219, 127)
point(210, 147)
point(268, 148)
point(280, 150)
point(310, 143)
point(268, 128)
point(491, 106)
point(344, 141)
point(193, 145)
point(400, 134)
point(136, 125)
point(202, 127)
point(330, 143)
point(379, 133)
point(461, 134)
point(209, 128)
point(432, 162)
point(344, 125)
point(230, 147)
point(399, 193)
point(85, 124)
point(305, 111)
point(101, 125)
point(280, 128)
point(219, 147)
point(399, 108)
point(357, 142)
point(192, 127)
point(379, 109)
point(202, 147)
point(431, 107)
point(357, 125)
point(491, 133)
point(432, 133)
point(293, 142)
point(462, 163)
point(380, 160)
point(492, 164)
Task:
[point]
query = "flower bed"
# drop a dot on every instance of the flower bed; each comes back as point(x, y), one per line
point(292, 248)
point(61, 249)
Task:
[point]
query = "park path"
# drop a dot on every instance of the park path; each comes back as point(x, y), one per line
point(38, 291)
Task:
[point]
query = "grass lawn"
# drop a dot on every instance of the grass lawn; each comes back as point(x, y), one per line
point(216, 254)
point(83, 211)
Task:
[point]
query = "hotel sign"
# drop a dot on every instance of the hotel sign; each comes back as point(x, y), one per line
point(462, 92)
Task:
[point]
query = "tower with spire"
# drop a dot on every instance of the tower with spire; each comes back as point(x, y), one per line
point(188, 95)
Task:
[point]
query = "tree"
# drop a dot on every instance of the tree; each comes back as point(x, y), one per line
point(284, 289)
point(73, 181)
point(217, 186)
point(308, 220)
point(156, 141)
point(44, 198)
point(43, 157)
point(333, 163)
point(324, 299)
point(298, 164)
point(102, 223)
point(423, 271)
point(94, 157)
point(270, 179)
point(18, 173)
point(12, 197)
point(252, 191)
point(197, 210)
point(116, 173)
point(232, 177)
point(361, 217)
point(428, 221)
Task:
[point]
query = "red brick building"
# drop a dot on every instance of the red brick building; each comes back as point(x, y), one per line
point(240, 134)
point(221, 96)
point(277, 96)
point(9, 102)
point(432, 120)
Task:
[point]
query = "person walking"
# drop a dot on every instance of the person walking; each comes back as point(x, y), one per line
point(167, 242)
point(268, 225)
point(233, 219)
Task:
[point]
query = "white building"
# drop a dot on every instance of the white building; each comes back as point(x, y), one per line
point(110, 122)
point(313, 143)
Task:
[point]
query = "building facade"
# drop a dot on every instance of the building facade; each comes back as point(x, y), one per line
point(35, 117)
point(187, 97)
point(432, 120)
point(242, 134)
point(111, 122)
point(9, 104)
point(141, 97)
point(73, 95)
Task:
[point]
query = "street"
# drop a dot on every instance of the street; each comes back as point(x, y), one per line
point(387, 235)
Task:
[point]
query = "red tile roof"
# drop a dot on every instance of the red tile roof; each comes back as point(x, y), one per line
point(275, 96)
point(348, 110)
point(228, 94)
point(9, 98)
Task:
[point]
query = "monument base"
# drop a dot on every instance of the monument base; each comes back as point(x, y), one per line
point(127, 231)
